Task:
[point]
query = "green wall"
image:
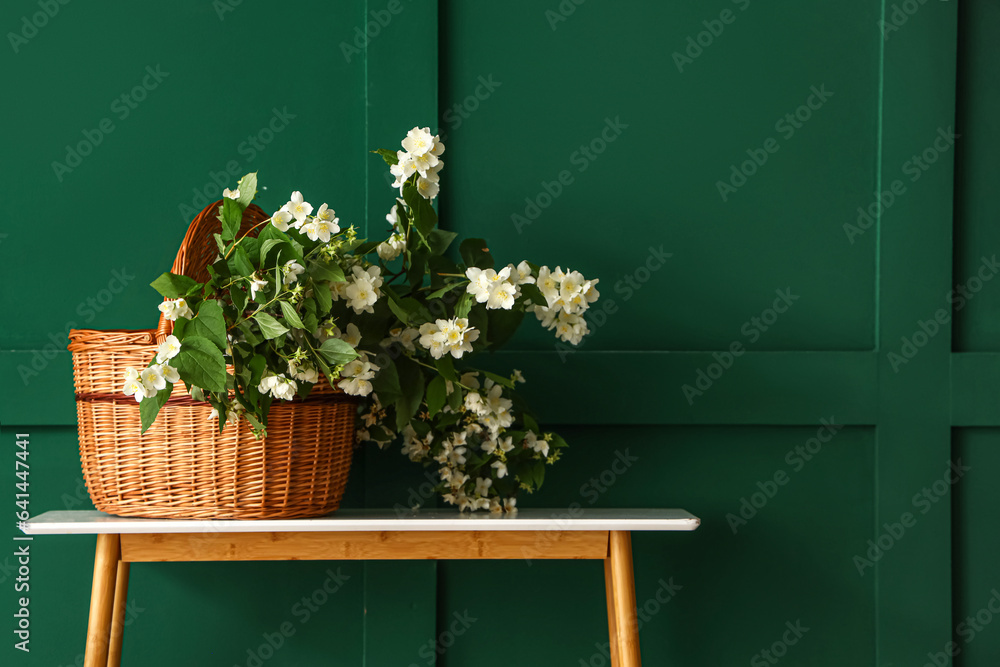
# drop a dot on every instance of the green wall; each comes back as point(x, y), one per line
point(597, 133)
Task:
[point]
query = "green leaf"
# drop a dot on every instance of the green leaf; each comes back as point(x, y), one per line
point(324, 301)
point(386, 384)
point(266, 246)
point(499, 379)
point(173, 286)
point(336, 352)
point(436, 395)
point(444, 290)
point(398, 307)
point(476, 253)
point(503, 325)
point(411, 381)
point(290, 315)
point(150, 407)
point(249, 334)
point(424, 216)
point(240, 263)
point(328, 271)
point(220, 244)
point(464, 305)
point(532, 294)
point(200, 363)
point(530, 423)
point(210, 323)
point(390, 157)
point(455, 399)
point(439, 240)
point(446, 367)
point(248, 189)
point(231, 217)
point(270, 327)
point(239, 298)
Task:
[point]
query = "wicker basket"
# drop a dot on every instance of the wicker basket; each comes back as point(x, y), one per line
point(182, 467)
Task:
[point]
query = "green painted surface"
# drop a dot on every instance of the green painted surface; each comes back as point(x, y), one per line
point(523, 91)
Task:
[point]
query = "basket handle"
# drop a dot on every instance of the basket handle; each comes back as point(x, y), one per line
point(198, 249)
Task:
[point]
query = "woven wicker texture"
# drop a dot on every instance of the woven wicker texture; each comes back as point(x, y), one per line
point(182, 467)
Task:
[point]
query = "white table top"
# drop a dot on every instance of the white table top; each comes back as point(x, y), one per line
point(90, 522)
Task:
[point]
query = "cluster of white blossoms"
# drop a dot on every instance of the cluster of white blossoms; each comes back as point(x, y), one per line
point(174, 308)
point(297, 215)
point(303, 370)
point(358, 375)
point(568, 296)
point(421, 156)
point(453, 336)
point(491, 408)
point(146, 383)
point(278, 386)
point(360, 290)
point(291, 271)
point(498, 289)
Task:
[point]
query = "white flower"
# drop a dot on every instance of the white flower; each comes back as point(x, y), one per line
point(352, 336)
point(524, 276)
point(517, 376)
point(483, 485)
point(281, 218)
point(291, 270)
point(170, 373)
point(501, 296)
point(419, 141)
point(168, 349)
point(231, 194)
point(303, 371)
point(362, 292)
point(404, 337)
point(534, 443)
point(298, 208)
point(327, 214)
point(453, 336)
point(152, 379)
point(174, 308)
point(510, 504)
point(479, 283)
point(500, 467)
point(278, 386)
point(256, 284)
point(320, 230)
point(358, 374)
point(391, 248)
point(402, 170)
point(133, 387)
point(427, 189)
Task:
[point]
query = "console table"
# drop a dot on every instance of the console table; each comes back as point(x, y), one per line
point(601, 534)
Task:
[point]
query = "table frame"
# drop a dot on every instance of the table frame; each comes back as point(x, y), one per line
point(115, 553)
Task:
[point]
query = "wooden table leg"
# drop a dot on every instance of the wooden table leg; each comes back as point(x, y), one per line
point(118, 617)
point(612, 629)
point(622, 593)
point(102, 597)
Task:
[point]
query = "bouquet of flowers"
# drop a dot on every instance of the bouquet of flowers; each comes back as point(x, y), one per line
point(300, 300)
